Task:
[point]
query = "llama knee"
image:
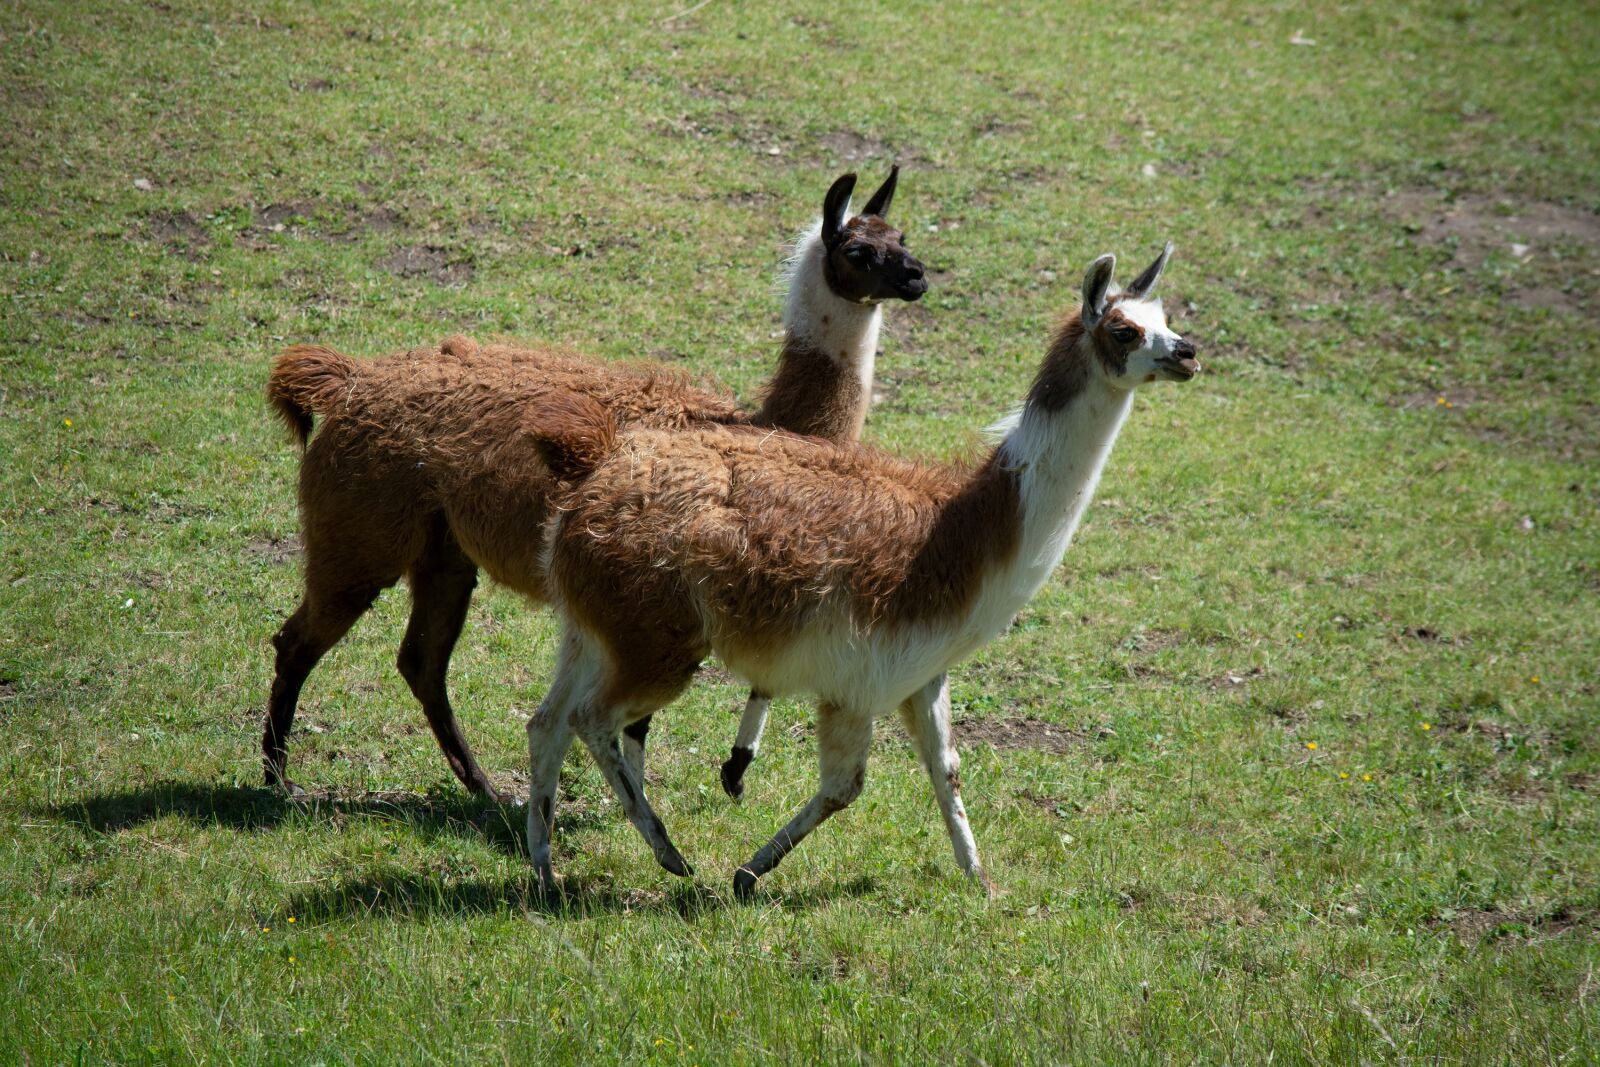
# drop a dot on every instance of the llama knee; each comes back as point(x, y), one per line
point(409, 662)
point(842, 794)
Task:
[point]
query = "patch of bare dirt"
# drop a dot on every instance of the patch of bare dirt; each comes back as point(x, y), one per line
point(748, 198)
point(904, 322)
point(886, 388)
point(715, 672)
point(848, 146)
point(1024, 733)
point(1450, 398)
point(8, 689)
point(1157, 640)
point(1236, 679)
point(1289, 716)
point(440, 265)
point(273, 550)
point(178, 229)
point(319, 218)
point(1474, 925)
point(1058, 806)
point(311, 85)
point(729, 125)
point(1569, 437)
point(994, 126)
point(1478, 227)
point(1582, 781)
point(1546, 298)
point(377, 219)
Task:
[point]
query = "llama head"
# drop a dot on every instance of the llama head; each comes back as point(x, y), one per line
point(866, 258)
point(1127, 330)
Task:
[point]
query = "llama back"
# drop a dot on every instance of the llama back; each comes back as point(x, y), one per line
point(760, 533)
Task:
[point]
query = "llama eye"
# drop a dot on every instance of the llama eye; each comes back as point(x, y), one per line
point(1125, 334)
point(856, 253)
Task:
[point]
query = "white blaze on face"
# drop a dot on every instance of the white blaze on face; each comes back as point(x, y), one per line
point(1148, 316)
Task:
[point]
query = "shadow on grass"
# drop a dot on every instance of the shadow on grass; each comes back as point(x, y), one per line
point(253, 809)
point(414, 896)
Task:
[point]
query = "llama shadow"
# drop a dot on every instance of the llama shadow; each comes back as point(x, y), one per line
point(255, 809)
point(412, 896)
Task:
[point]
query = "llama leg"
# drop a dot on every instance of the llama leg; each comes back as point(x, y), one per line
point(549, 738)
point(600, 734)
point(746, 744)
point(926, 714)
point(843, 740)
point(633, 736)
point(442, 581)
point(316, 626)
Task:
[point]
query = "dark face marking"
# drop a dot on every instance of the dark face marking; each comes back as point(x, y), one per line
point(1114, 337)
point(867, 262)
point(1066, 368)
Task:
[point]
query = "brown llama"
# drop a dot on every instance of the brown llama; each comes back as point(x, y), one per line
point(811, 568)
point(423, 467)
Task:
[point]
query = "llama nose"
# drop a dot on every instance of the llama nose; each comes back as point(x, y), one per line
point(1184, 349)
point(914, 283)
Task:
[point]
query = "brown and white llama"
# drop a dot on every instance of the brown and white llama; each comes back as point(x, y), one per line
point(422, 467)
point(809, 568)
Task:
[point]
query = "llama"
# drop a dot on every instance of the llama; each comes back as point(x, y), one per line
point(812, 568)
point(422, 467)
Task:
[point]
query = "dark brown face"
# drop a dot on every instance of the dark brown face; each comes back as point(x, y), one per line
point(868, 263)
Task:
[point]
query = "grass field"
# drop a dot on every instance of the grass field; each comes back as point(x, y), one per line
point(1296, 759)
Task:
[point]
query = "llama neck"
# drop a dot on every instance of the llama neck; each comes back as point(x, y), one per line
point(996, 539)
point(823, 386)
point(1058, 453)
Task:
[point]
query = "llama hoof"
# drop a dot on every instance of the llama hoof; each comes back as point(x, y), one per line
point(286, 786)
point(494, 796)
point(733, 769)
point(744, 884)
point(675, 864)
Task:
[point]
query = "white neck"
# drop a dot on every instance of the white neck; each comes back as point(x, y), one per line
point(818, 318)
point(1059, 456)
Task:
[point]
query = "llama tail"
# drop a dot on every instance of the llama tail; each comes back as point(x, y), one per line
point(573, 432)
point(306, 379)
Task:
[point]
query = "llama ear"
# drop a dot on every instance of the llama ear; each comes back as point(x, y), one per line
point(879, 204)
point(1096, 282)
point(834, 206)
point(1145, 283)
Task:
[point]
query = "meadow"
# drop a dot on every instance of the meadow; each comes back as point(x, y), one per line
point(1295, 760)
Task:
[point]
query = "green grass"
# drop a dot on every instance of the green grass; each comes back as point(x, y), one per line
point(1305, 546)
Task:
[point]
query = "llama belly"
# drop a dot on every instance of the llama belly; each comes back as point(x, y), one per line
point(507, 545)
point(869, 672)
